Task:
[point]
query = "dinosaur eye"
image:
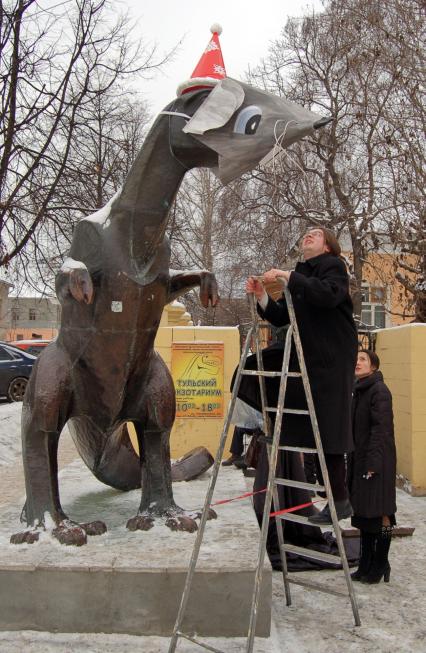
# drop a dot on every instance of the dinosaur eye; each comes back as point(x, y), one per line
point(248, 120)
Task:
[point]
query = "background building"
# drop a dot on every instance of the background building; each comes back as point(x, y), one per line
point(4, 308)
point(32, 317)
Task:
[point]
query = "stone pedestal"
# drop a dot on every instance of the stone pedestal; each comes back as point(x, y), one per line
point(124, 582)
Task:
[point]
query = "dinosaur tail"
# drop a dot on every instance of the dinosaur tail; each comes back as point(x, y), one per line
point(116, 464)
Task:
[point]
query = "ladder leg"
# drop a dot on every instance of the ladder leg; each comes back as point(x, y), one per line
point(321, 457)
point(278, 522)
point(207, 502)
point(338, 535)
point(280, 533)
point(259, 359)
point(272, 459)
point(262, 543)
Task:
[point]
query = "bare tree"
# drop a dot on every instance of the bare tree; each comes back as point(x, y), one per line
point(61, 66)
point(348, 62)
point(230, 230)
point(102, 150)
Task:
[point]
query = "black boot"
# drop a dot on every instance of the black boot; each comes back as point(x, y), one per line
point(380, 567)
point(366, 551)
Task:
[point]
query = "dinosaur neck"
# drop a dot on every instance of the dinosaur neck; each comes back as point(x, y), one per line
point(139, 215)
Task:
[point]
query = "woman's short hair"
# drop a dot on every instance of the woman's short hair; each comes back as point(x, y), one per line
point(332, 242)
point(374, 359)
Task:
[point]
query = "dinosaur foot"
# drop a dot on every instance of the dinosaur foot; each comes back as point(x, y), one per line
point(140, 523)
point(94, 528)
point(25, 537)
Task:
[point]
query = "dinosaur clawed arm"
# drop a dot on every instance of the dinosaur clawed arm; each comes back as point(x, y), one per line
point(182, 282)
point(74, 279)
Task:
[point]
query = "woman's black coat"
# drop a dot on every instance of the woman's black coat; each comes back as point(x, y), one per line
point(374, 449)
point(320, 292)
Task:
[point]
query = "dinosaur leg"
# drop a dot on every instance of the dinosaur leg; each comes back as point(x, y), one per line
point(44, 415)
point(153, 436)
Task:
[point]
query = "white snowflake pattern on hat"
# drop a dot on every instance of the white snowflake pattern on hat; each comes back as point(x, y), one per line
point(211, 46)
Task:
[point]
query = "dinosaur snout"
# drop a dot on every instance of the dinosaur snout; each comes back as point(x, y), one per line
point(322, 122)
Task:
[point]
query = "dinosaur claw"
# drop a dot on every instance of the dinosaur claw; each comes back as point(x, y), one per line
point(94, 528)
point(140, 523)
point(70, 534)
point(182, 523)
point(25, 537)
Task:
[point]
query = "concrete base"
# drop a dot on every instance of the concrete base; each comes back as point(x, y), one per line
point(124, 582)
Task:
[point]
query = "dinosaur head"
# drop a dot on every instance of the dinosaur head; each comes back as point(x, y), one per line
point(239, 126)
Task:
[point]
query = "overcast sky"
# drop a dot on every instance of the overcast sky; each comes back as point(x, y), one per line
point(248, 27)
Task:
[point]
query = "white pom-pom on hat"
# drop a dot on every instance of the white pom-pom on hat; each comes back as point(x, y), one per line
point(216, 28)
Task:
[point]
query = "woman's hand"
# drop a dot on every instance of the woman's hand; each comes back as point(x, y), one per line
point(254, 285)
point(274, 275)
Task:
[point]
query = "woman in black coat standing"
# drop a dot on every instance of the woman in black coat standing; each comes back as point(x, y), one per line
point(319, 287)
point(372, 469)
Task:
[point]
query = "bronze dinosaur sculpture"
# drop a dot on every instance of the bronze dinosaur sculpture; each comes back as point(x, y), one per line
point(102, 370)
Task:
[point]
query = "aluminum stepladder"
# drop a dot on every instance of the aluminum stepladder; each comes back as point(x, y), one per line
point(271, 495)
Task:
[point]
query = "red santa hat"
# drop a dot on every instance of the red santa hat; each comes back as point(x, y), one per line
point(210, 69)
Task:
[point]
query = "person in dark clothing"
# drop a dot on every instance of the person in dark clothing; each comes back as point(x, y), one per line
point(237, 448)
point(372, 469)
point(319, 288)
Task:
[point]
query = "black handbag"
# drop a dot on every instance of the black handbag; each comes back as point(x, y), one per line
point(253, 450)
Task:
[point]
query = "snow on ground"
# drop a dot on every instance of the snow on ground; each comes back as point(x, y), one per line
point(392, 615)
point(10, 432)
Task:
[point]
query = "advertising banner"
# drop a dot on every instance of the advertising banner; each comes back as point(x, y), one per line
point(197, 371)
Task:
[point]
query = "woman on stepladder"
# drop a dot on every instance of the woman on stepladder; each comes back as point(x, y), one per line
point(372, 469)
point(319, 288)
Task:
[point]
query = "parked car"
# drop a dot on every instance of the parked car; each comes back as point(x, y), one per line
point(33, 347)
point(15, 370)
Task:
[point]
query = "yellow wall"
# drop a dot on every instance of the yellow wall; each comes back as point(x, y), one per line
point(402, 353)
point(188, 433)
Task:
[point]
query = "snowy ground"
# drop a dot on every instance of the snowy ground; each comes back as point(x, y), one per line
point(392, 615)
point(10, 436)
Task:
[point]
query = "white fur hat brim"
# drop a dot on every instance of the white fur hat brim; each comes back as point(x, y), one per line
point(196, 81)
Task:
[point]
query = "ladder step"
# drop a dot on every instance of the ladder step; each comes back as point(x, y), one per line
point(292, 411)
point(291, 516)
point(259, 373)
point(302, 485)
point(315, 586)
point(268, 373)
point(310, 553)
point(298, 449)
